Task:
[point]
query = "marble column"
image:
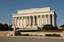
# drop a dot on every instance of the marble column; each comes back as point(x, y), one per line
point(49, 19)
point(33, 21)
point(42, 20)
point(22, 21)
point(19, 20)
point(37, 20)
point(26, 20)
point(29, 20)
point(16, 21)
point(46, 19)
point(53, 20)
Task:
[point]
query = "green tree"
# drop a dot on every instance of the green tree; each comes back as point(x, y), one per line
point(10, 27)
point(62, 26)
point(49, 27)
point(1, 27)
point(5, 27)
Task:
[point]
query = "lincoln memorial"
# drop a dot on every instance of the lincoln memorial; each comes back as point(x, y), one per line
point(30, 19)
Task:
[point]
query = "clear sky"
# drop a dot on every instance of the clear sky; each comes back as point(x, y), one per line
point(8, 7)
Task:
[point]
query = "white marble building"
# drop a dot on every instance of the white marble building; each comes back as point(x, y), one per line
point(30, 19)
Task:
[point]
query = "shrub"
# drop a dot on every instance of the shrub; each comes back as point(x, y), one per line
point(56, 35)
point(52, 35)
point(47, 34)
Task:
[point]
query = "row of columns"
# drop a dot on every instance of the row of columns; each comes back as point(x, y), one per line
point(39, 20)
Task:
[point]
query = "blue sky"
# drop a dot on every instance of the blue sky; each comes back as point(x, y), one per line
point(8, 7)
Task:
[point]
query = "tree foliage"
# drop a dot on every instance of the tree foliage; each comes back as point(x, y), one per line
point(62, 26)
point(49, 27)
point(5, 27)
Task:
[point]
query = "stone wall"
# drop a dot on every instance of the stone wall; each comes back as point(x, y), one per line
point(43, 33)
point(6, 33)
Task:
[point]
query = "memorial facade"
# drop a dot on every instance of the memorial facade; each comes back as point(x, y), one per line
point(30, 19)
